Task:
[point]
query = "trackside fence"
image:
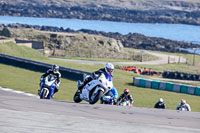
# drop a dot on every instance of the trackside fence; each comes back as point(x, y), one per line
point(167, 86)
point(66, 73)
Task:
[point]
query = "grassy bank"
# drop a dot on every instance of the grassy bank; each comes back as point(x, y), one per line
point(11, 48)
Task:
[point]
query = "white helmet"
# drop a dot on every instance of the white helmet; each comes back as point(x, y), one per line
point(109, 68)
point(160, 100)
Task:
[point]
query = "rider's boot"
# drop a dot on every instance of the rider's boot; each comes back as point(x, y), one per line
point(80, 86)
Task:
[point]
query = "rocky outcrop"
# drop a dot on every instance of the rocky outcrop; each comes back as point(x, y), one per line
point(151, 11)
point(131, 40)
point(71, 44)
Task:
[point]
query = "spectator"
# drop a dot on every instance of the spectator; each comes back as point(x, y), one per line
point(144, 71)
point(149, 71)
point(136, 69)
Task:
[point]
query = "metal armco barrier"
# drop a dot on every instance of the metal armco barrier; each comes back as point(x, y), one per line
point(67, 73)
point(167, 86)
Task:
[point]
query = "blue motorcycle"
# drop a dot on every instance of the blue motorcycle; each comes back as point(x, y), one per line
point(107, 100)
point(47, 87)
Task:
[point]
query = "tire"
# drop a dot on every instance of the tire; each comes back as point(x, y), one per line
point(77, 97)
point(43, 95)
point(97, 97)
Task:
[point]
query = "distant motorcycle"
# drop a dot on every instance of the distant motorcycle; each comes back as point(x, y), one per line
point(107, 100)
point(94, 89)
point(47, 88)
point(124, 102)
point(183, 108)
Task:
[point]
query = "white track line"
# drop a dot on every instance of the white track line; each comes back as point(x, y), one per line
point(19, 92)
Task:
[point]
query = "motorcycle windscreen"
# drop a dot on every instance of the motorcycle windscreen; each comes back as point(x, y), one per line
point(106, 80)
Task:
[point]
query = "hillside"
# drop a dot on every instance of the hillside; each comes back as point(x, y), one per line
point(11, 48)
point(73, 45)
point(143, 11)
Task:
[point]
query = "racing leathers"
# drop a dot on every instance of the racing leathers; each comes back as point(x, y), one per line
point(160, 105)
point(94, 75)
point(125, 97)
point(185, 107)
point(56, 75)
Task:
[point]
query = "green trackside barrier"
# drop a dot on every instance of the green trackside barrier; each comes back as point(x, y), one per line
point(197, 91)
point(155, 84)
point(184, 89)
point(142, 82)
point(169, 86)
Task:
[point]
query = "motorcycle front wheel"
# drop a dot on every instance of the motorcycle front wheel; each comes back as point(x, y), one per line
point(44, 94)
point(95, 98)
point(77, 97)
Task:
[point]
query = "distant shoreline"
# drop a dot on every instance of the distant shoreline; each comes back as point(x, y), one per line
point(172, 12)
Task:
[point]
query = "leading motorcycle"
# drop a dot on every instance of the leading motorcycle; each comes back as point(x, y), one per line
point(94, 89)
point(47, 88)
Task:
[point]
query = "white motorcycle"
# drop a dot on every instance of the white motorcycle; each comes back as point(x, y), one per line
point(94, 89)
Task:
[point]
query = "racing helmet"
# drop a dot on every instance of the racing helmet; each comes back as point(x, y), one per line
point(126, 91)
point(183, 102)
point(160, 100)
point(109, 68)
point(55, 68)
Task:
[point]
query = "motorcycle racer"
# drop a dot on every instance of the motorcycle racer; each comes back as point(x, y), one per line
point(55, 73)
point(183, 106)
point(108, 70)
point(126, 96)
point(160, 104)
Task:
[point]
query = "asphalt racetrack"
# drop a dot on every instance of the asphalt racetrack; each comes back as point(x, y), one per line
point(20, 113)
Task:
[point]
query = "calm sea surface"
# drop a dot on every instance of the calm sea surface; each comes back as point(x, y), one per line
point(179, 32)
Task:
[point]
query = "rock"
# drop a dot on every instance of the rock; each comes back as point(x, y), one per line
point(5, 32)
